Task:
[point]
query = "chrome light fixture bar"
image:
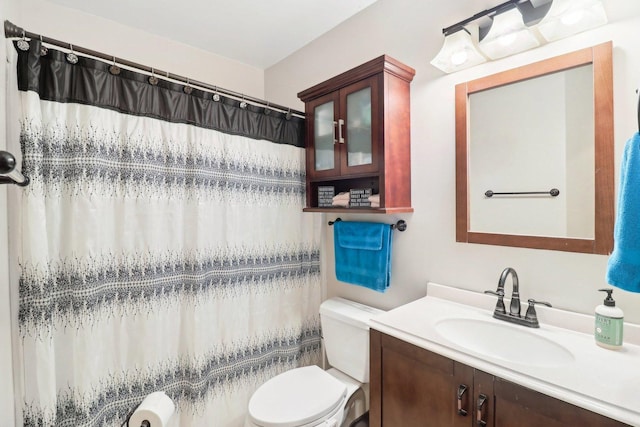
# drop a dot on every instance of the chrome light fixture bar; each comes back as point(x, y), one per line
point(516, 26)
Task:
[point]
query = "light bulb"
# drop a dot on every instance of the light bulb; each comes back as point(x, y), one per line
point(507, 39)
point(573, 17)
point(459, 58)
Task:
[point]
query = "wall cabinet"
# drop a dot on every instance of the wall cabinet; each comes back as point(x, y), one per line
point(411, 386)
point(358, 134)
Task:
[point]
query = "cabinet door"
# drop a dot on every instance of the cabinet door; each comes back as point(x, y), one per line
point(412, 387)
point(359, 125)
point(322, 151)
point(519, 406)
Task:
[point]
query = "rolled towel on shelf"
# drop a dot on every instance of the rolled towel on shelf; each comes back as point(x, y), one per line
point(374, 198)
point(342, 196)
point(341, 200)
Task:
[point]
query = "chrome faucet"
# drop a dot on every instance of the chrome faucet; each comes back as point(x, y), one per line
point(514, 307)
point(531, 318)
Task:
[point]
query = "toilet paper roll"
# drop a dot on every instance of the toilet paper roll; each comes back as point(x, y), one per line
point(157, 409)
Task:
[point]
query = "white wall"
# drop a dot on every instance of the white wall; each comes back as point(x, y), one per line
point(102, 35)
point(410, 31)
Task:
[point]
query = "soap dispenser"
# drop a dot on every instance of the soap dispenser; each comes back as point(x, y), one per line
point(609, 323)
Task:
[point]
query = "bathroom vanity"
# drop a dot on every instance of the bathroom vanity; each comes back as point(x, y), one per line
point(444, 361)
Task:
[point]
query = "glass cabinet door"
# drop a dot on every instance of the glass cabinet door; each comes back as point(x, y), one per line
point(324, 136)
point(358, 127)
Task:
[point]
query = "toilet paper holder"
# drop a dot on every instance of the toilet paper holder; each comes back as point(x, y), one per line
point(144, 423)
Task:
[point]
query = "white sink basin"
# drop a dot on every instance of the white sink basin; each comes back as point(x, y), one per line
point(508, 342)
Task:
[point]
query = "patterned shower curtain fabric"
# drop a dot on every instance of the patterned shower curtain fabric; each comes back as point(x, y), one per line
point(156, 251)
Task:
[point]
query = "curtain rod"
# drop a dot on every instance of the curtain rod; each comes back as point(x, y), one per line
point(13, 31)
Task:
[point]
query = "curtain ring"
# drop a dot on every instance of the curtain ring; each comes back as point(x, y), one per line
point(23, 44)
point(114, 69)
point(43, 49)
point(153, 80)
point(216, 97)
point(187, 89)
point(243, 104)
point(72, 58)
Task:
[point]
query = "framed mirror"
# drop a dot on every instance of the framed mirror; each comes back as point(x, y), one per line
point(534, 155)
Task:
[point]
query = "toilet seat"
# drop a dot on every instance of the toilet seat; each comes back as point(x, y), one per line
point(299, 397)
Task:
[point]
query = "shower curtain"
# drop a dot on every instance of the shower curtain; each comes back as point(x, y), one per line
point(160, 245)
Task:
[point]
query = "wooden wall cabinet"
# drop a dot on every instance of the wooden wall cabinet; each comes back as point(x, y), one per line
point(411, 386)
point(358, 135)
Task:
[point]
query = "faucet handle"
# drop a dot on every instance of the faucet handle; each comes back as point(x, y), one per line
point(531, 310)
point(499, 293)
point(500, 304)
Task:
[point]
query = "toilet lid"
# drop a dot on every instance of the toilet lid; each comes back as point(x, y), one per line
point(296, 397)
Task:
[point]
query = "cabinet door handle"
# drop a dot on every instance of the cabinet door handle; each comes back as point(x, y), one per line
point(461, 391)
point(334, 132)
point(482, 399)
point(340, 137)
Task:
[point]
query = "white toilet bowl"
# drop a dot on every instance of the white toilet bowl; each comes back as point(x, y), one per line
point(312, 397)
point(302, 397)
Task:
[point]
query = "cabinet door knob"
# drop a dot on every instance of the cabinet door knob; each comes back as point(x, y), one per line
point(461, 391)
point(482, 399)
point(340, 136)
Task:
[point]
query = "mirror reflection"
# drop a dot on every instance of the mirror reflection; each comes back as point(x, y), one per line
point(544, 128)
point(530, 137)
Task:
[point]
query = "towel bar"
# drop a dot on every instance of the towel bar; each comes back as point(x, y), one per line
point(401, 225)
point(8, 172)
point(553, 193)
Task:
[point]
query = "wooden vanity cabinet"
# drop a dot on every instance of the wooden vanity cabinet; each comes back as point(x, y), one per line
point(358, 135)
point(411, 386)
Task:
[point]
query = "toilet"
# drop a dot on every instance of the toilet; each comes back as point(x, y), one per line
point(310, 396)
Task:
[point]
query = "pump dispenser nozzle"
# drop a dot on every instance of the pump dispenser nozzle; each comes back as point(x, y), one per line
point(608, 301)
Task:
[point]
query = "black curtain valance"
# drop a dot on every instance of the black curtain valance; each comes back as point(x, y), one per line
point(90, 82)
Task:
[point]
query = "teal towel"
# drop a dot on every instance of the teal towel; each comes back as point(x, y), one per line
point(363, 253)
point(623, 269)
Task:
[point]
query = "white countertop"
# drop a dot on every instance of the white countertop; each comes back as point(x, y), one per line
point(600, 380)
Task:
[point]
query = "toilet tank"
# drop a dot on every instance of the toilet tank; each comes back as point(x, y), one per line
point(345, 331)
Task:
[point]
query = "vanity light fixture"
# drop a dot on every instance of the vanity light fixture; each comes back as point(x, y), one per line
point(508, 35)
point(568, 17)
point(459, 50)
point(515, 26)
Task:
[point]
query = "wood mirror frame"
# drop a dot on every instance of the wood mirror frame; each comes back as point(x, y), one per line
point(602, 243)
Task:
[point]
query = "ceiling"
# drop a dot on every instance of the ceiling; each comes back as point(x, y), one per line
point(255, 32)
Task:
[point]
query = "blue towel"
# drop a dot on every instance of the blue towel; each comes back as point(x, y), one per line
point(363, 253)
point(623, 269)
